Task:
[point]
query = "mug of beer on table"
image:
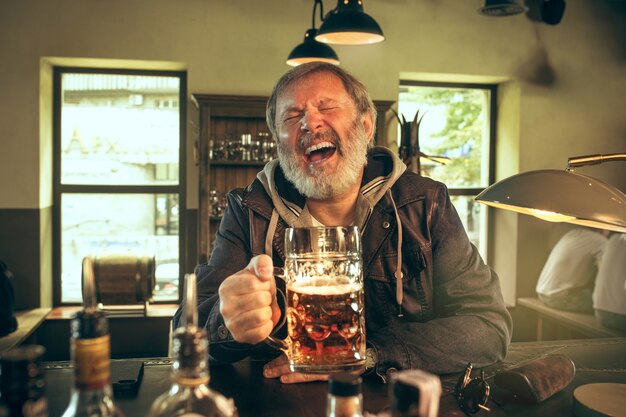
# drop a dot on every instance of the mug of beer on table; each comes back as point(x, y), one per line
point(324, 300)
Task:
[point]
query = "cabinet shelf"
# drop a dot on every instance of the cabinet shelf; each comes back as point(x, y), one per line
point(218, 116)
point(229, 163)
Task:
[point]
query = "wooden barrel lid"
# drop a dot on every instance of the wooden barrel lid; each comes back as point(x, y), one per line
point(600, 400)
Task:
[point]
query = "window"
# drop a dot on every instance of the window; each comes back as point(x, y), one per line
point(457, 133)
point(118, 172)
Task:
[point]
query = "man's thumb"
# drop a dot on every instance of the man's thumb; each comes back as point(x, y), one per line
point(262, 266)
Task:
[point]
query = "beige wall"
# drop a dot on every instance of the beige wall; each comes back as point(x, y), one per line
point(239, 47)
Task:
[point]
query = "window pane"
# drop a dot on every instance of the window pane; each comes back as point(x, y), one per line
point(144, 224)
point(474, 219)
point(119, 129)
point(455, 125)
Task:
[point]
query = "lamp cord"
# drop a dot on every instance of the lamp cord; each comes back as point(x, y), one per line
point(321, 13)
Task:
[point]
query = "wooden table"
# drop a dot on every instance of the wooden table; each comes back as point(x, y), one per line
point(27, 322)
point(597, 360)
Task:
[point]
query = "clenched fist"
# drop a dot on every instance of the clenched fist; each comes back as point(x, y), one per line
point(248, 301)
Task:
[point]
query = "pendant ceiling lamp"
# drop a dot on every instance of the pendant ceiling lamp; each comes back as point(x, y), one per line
point(501, 8)
point(311, 50)
point(563, 196)
point(347, 24)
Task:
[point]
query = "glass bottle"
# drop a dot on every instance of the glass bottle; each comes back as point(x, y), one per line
point(190, 394)
point(345, 398)
point(211, 149)
point(246, 147)
point(22, 383)
point(214, 204)
point(414, 393)
point(91, 395)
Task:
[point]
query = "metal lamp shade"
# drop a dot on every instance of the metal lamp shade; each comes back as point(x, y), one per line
point(311, 50)
point(347, 24)
point(555, 195)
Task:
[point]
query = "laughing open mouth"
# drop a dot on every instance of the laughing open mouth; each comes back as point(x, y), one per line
point(319, 151)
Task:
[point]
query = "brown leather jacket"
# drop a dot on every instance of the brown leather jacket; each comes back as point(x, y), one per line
point(452, 309)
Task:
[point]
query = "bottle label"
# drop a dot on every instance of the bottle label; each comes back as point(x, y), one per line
point(190, 382)
point(92, 369)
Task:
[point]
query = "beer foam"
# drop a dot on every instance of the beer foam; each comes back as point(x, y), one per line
point(321, 288)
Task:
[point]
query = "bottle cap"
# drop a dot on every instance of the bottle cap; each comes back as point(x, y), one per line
point(413, 387)
point(344, 385)
point(404, 395)
point(89, 325)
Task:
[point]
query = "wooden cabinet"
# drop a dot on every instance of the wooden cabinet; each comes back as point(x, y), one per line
point(220, 117)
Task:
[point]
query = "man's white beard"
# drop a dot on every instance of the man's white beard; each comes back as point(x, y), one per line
point(316, 183)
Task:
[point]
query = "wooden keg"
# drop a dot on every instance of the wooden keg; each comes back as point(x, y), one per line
point(123, 278)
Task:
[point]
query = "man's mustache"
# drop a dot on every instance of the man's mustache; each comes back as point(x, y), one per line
point(326, 134)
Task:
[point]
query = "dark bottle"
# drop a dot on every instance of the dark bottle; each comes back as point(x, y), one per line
point(189, 394)
point(345, 397)
point(22, 383)
point(92, 395)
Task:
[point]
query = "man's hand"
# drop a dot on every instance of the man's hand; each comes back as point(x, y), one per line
point(248, 301)
point(279, 367)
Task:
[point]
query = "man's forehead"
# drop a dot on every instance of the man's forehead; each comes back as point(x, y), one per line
point(319, 86)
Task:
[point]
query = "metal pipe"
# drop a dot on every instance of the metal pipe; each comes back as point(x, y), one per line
point(579, 161)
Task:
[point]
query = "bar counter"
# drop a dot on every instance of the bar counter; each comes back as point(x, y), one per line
point(596, 360)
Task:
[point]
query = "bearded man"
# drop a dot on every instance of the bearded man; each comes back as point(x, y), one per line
point(430, 301)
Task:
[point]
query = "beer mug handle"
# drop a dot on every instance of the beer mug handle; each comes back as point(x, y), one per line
point(274, 342)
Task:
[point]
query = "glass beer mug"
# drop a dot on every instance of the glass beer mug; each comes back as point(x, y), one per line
point(324, 299)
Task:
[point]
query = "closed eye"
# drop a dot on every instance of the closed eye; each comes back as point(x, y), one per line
point(291, 117)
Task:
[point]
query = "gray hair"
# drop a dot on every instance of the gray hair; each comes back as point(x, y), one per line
point(354, 87)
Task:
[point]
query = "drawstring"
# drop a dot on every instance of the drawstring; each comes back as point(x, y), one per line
point(398, 273)
point(270, 233)
point(271, 229)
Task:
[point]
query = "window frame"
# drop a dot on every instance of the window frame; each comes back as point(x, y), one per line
point(493, 123)
point(59, 189)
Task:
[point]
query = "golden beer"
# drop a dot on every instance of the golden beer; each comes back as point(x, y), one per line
point(325, 319)
point(324, 298)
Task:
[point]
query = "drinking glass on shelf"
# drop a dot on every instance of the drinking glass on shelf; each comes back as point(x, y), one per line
point(264, 140)
point(219, 150)
point(234, 148)
point(270, 151)
point(214, 204)
point(256, 151)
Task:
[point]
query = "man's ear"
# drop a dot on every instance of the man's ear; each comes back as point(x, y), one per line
point(368, 125)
